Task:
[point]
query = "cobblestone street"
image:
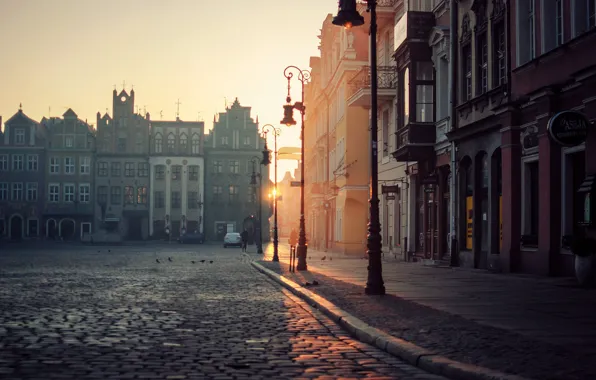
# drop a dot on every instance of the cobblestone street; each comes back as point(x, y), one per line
point(117, 313)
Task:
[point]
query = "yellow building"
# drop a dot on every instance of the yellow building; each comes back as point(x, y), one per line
point(336, 144)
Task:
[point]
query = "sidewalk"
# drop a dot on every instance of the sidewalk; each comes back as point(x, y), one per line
point(543, 328)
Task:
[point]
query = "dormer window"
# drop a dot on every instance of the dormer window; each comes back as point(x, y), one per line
point(19, 136)
point(69, 141)
point(224, 140)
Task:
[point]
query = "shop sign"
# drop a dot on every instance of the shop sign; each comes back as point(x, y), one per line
point(568, 128)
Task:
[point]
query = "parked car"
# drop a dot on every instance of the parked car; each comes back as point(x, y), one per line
point(192, 238)
point(232, 239)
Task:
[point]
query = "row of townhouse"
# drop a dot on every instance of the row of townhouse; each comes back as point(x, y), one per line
point(518, 193)
point(130, 178)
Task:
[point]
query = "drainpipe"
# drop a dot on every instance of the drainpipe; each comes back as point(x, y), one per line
point(453, 82)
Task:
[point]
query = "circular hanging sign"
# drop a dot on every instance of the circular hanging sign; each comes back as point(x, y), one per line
point(568, 128)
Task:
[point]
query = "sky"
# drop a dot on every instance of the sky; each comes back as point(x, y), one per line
point(60, 54)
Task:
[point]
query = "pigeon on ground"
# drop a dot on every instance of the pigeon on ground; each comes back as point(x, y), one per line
point(193, 262)
point(202, 261)
point(315, 282)
point(210, 261)
point(330, 258)
point(169, 259)
point(109, 250)
point(323, 258)
point(157, 261)
point(307, 284)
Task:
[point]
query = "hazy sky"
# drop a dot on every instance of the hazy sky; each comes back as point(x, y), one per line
point(59, 54)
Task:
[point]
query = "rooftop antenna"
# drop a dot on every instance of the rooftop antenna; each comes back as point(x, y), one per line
point(178, 109)
point(161, 114)
point(20, 106)
point(198, 116)
point(225, 102)
point(145, 110)
point(49, 111)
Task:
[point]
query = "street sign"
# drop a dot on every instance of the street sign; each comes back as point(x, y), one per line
point(390, 197)
point(389, 189)
point(295, 183)
point(568, 128)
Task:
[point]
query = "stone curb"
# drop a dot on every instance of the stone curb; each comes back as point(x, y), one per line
point(409, 352)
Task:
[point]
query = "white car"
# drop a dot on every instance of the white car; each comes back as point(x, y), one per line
point(232, 239)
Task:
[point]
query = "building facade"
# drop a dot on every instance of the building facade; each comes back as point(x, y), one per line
point(122, 170)
point(69, 178)
point(288, 213)
point(177, 182)
point(337, 167)
point(22, 190)
point(229, 200)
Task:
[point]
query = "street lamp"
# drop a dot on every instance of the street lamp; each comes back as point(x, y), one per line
point(347, 17)
point(303, 77)
point(253, 182)
point(266, 161)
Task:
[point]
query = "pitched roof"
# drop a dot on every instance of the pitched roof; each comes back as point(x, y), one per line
point(20, 117)
point(69, 113)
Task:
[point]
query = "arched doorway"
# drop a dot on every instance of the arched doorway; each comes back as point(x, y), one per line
point(67, 229)
point(16, 227)
point(51, 228)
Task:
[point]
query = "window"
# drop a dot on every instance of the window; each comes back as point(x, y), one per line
point(116, 169)
point(193, 173)
point(69, 165)
point(123, 122)
point(19, 136)
point(233, 192)
point(217, 191)
point(142, 195)
point(159, 199)
point(116, 195)
point(17, 162)
point(584, 16)
point(121, 147)
point(54, 192)
point(102, 169)
point(183, 143)
point(17, 191)
point(224, 141)
point(160, 171)
point(246, 140)
point(499, 68)
point(425, 97)
point(196, 144)
point(385, 133)
point(129, 169)
point(406, 100)
point(175, 199)
point(531, 194)
point(176, 172)
point(482, 59)
point(32, 191)
point(558, 22)
point(129, 195)
point(85, 163)
point(84, 193)
point(143, 169)
point(3, 191)
point(3, 162)
point(138, 143)
point(157, 144)
point(234, 166)
point(526, 31)
point(69, 192)
point(217, 167)
point(551, 18)
point(171, 143)
point(467, 77)
point(102, 195)
point(69, 141)
point(32, 162)
point(251, 198)
point(193, 200)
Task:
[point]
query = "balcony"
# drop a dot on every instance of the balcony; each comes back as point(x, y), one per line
point(415, 142)
point(359, 94)
point(385, 11)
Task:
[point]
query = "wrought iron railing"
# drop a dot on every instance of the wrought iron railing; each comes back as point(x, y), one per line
point(386, 79)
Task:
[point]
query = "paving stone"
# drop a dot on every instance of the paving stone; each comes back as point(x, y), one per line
point(77, 314)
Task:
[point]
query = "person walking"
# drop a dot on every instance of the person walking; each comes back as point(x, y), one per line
point(293, 238)
point(244, 236)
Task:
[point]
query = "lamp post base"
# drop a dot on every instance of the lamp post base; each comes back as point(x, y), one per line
point(301, 251)
point(275, 246)
point(259, 249)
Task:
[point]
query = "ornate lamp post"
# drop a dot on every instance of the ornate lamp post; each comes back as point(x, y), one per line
point(266, 161)
point(348, 17)
point(253, 182)
point(303, 77)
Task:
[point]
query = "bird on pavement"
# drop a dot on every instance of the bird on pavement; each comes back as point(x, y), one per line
point(169, 259)
point(202, 261)
point(194, 262)
point(157, 261)
point(109, 250)
point(330, 258)
point(315, 282)
point(323, 258)
point(210, 261)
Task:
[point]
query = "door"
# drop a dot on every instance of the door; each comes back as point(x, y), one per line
point(16, 227)
point(85, 229)
point(67, 229)
point(135, 226)
point(221, 228)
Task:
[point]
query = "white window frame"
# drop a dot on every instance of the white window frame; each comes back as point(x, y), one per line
point(158, 144)
point(85, 224)
point(4, 191)
point(54, 197)
point(525, 34)
point(32, 186)
point(69, 165)
point(32, 160)
point(84, 197)
point(69, 141)
point(54, 165)
point(525, 201)
point(4, 162)
point(16, 186)
point(566, 189)
point(19, 136)
point(195, 143)
point(85, 165)
point(21, 160)
point(67, 197)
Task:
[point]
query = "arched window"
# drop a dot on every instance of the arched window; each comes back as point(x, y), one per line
point(196, 144)
point(158, 143)
point(183, 143)
point(171, 143)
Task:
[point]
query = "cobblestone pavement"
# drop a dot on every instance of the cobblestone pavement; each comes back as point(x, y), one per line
point(115, 313)
point(455, 336)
